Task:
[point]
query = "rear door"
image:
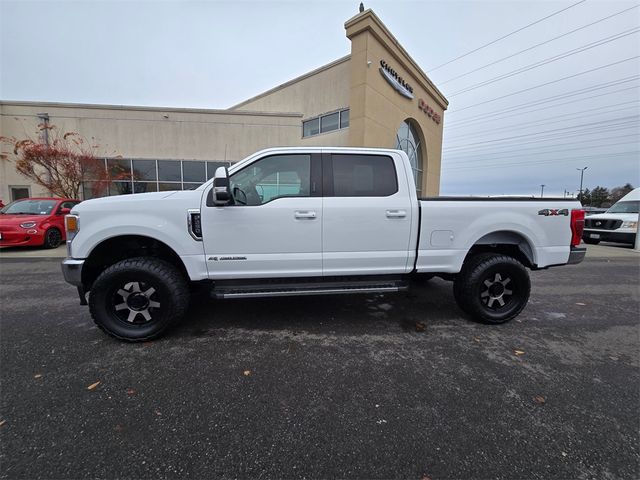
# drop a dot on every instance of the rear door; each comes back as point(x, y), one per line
point(367, 214)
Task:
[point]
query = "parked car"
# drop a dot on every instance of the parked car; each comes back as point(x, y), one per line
point(309, 221)
point(588, 211)
point(618, 224)
point(34, 222)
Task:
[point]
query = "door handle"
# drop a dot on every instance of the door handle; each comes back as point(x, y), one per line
point(396, 213)
point(308, 214)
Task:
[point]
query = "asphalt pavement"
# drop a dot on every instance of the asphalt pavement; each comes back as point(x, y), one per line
point(367, 386)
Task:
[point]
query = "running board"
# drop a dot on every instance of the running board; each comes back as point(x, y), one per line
point(291, 290)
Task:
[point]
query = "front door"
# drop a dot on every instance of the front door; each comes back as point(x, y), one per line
point(367, 212)
point(273, 226)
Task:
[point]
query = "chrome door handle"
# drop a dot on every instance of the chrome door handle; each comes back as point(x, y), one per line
point(396, 213)
point(305, 214)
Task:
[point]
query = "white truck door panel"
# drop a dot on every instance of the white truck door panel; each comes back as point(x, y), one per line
point(273, 229)
point(367, 216)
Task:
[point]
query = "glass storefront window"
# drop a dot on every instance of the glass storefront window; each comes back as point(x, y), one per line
point(119, 168)
point(325, 123)
point(409, 142)
point(167, 186)
point(169, 171)
point(144, 187)
point(193, 171)
point(144, 170)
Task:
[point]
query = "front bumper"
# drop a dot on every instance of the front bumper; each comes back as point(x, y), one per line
point(72, 271)
point(609, 236)
point(576, 255)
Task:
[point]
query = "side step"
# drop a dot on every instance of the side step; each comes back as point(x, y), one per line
point(319, 288)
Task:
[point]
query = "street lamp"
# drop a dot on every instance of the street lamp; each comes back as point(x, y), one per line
point(581, 177)
point(542, 190)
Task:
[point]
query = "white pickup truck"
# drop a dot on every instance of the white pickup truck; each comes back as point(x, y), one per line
point(308, 221)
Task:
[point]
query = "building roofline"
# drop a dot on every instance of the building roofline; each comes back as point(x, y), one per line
point(295, 80)
point(98, 106)
point(428, 84)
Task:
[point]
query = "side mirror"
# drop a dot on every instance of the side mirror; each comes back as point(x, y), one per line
point(64, 211)
point(221, 193)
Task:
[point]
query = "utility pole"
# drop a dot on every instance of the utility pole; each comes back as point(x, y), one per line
point(581, 177)
point(542, 190)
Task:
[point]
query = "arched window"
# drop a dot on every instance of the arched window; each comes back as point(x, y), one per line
point(409, 142)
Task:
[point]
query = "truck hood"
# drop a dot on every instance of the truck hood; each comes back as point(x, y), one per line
point(625, 217)
point(133, 201)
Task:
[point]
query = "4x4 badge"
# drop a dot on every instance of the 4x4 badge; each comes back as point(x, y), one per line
point(552, 212)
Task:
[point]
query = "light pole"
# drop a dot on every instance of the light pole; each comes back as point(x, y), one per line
point(542, 190)
point(581, 177)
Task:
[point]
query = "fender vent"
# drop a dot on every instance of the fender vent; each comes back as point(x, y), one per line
point(194, 224)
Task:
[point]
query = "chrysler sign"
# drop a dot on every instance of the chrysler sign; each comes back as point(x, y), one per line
point(395, 80)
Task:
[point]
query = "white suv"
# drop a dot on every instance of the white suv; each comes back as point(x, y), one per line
point(618, 224)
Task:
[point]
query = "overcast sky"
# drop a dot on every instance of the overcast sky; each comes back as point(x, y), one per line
point(213, 54)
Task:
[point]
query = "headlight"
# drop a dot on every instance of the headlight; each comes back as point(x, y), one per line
point(631, 225)
point(28, 224)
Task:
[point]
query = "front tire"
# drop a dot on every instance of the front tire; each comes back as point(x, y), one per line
point(492, 288)
point(138, 299)
point(52, 238)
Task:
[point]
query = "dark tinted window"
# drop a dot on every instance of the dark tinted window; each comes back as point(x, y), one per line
point(344, 118)
point(363, 176)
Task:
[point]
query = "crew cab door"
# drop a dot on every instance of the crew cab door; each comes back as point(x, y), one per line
point(272, 226)
point(367, 215)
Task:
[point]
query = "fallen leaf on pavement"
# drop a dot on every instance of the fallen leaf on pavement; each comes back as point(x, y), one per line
point(518, 352)
point(2, 422)
point(539, 399)
point(37, 375)
point(425, 477)
point(476, 339)
point(246, 373)
point(158, 413)
point(578, 303)
point(420, 327)
point(93, 385)
point(131, 392)
point(119, 428)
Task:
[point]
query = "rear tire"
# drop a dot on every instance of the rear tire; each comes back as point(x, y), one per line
point(492, 288)
point(138, 299)
point(590, 241)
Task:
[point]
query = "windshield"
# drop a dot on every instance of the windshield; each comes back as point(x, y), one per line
point(625, 207)
point(29, 207)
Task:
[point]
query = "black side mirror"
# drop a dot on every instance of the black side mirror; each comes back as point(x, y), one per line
point(221, 193)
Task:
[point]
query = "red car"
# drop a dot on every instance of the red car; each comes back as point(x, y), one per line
point(34, 222)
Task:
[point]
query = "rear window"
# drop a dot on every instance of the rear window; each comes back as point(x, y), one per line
point(363, 176)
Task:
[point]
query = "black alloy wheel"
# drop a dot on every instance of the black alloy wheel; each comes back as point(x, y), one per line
point(492, 288)
point(52, 238)
point(138, 299)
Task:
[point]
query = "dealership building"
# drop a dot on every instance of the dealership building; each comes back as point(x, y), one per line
point(377, 96)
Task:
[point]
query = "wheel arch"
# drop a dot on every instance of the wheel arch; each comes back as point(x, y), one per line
point(121, 247)
point(506, 242)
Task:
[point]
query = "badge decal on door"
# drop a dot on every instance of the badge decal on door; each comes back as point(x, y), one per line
point(216, 259)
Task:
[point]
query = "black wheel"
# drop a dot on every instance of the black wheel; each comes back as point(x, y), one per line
point(492, 288)
point(138, 299)
point(52, 238)
point(591, 241)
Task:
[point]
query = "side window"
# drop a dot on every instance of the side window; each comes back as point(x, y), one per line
point(68, 204)
point(272, 177)
point(363, 176)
